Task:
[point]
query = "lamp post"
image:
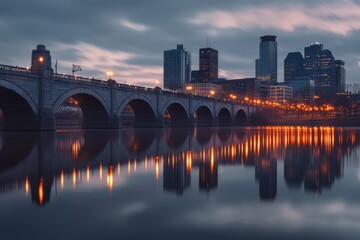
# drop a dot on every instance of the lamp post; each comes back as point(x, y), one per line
point(188, 89)
point(110, 74)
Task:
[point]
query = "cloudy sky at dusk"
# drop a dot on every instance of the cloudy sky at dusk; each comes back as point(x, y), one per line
point(128, 37)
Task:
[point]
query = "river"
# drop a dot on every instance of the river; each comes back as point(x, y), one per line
point(180, 183)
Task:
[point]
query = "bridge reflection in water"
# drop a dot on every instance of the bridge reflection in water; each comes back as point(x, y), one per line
point(42, 162)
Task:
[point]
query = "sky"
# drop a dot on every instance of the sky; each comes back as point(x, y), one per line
point(128, 37)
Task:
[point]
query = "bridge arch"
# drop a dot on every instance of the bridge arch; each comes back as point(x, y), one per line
point(175, 114)
point(76, 91)
point(18, 107)
point(142, 109)
point(224, 116)
point(21, 92)
point(240, 117)
point(96, 112)
point(203, 115)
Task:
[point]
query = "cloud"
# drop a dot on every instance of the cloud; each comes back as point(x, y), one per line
point(339, 18)
point(325, 215)
point(230, 74)
point(103, 60)
point(134, 26)
point(144, 29)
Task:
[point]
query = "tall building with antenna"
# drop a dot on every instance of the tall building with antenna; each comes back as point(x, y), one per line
point(208, 65)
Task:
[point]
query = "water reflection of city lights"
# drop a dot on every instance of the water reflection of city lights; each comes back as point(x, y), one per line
point(27, 186)
point(87, 174)
point(110, 178)
point(71, 146)
point(75, 148)
point(118, 169)
point(129, 168)
point(157, 170)
point(74, 178)
point(262, 147)
point(41, 191)
point(62, 180)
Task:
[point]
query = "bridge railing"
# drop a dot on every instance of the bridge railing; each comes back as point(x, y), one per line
point(134, 87)
point(98, 81)
point(79, 78)
point(8, 68)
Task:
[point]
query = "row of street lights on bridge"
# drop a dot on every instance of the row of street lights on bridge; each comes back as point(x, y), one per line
point(251, 101)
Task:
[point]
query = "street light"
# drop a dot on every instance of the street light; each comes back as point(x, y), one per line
point(110, 74)
point(157, 83)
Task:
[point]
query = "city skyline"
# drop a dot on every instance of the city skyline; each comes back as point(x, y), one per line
point(129, 41)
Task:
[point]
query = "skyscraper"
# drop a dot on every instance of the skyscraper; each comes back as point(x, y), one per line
point(208, 64)
point(320, 66)
point(340, 76)
point(177, 68)
point(293, 66)
point(266, 65)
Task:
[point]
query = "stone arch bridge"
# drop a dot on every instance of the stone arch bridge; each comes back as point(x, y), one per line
point(30, 97)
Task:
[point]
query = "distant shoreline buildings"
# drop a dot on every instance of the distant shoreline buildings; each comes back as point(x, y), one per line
point(317, 76)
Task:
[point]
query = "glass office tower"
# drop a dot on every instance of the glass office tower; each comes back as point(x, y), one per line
point(320, 67)
point(177, 68)
point(266, 65)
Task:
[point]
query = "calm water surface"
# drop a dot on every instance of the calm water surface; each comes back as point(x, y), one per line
point(254, 183)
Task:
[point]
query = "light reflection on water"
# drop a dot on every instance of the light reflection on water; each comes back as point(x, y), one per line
point(242, 170)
